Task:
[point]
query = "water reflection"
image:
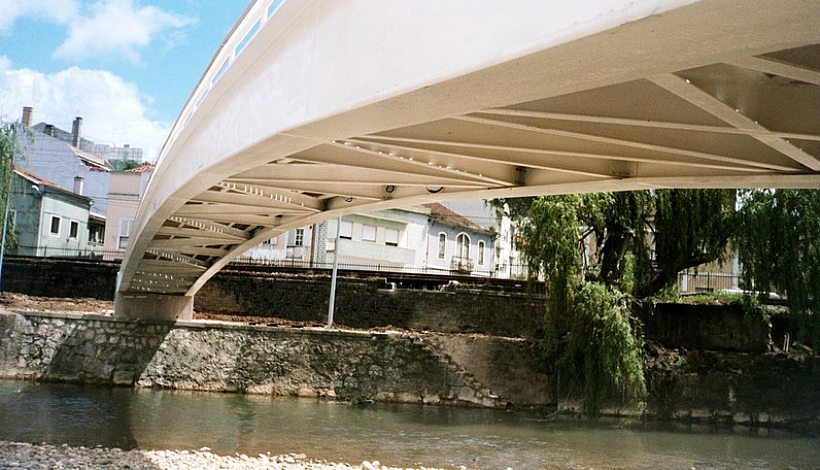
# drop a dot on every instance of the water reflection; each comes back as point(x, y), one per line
point(393, 434)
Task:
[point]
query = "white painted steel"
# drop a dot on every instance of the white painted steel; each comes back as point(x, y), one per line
point(331, 107)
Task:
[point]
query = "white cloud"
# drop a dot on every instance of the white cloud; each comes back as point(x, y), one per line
point(116, 27)
point(112, 109)
point(57, 11)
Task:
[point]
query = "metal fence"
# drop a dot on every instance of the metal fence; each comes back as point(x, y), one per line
point(688, 282)
point(99, 254)
point(693, 282)
point(375, 267)
point(91, 253)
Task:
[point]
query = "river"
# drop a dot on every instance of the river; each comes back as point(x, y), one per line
point(393, 434)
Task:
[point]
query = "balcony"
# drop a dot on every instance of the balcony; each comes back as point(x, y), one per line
point(461, 265)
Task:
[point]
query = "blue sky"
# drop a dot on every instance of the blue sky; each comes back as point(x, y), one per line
point(126, 66)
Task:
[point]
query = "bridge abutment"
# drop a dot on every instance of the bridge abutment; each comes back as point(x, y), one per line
point(160, 307)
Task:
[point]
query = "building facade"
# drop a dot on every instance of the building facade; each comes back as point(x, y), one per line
point(124, 195)
point(49, 220)
point(457, 245)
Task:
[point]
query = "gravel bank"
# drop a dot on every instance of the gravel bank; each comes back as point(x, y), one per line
point(17, 455)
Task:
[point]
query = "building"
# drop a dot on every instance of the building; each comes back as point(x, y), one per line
point(50, 220)
point(124, 195)
point(292, 247)
point(456, 244)
point(430, 238)
point(507, 259)
point(391, 239)
point(75, 139)
point(61, 156)
point(55, 155)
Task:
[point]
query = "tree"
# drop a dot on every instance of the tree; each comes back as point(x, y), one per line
point(124, 165)
point(779, 247)
point(9, 150)
point(686, 228)
point(588, 330)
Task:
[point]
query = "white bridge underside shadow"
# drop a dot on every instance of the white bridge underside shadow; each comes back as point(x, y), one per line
point(313, 109)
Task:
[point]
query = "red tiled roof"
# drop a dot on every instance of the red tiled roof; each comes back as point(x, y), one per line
point(31, 177)
point(142, 168)
point(447, 216)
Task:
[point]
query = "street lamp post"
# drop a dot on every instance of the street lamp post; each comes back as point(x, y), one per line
point(331, 303)
point(5, 227)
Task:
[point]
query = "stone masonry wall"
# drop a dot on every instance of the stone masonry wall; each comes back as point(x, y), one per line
point(58, 278)
point(275, 361)
point(706, 327)
point(369, 303)
point(360, 303)
point(710, 387)
point(372, 303)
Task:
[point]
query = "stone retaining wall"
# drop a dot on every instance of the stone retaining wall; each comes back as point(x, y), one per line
point(276, 361)
point(475, 370)
point(371, 303)
point(360, 303)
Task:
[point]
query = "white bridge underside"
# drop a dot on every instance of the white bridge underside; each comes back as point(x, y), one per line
point(342, 106)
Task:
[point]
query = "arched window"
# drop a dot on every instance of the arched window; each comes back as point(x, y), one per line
point(442, 244)
point(463, 246)
point(481, 252)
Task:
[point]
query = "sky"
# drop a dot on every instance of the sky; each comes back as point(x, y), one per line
point(126, 67)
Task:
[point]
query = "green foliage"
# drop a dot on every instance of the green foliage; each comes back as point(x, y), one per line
point(124, 165)
point(691, 227)
point(9, 151)
point(602, 347)
point(779, 245)
point(588, 331)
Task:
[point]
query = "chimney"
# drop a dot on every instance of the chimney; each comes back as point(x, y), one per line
point(27, 110)
point(75, 131)
point(78, 185)
point(49, 130)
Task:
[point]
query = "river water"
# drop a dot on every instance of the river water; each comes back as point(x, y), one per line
point(392, 434)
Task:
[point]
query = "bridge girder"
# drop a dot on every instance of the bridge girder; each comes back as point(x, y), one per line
point(314, 110)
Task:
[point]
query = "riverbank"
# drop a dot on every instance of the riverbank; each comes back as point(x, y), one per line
point(21, 455)
point(697, 384)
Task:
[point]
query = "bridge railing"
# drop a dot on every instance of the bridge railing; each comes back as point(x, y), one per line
point(238, 39)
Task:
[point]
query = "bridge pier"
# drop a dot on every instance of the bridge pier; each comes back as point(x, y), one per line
point(160, 307)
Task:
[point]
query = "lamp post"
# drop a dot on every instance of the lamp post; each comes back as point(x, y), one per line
point(5, 227)
point(331, 303)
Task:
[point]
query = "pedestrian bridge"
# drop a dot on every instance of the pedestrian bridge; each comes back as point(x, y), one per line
point(315, 108)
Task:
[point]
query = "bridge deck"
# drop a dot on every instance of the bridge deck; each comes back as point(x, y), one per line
point(314, 108)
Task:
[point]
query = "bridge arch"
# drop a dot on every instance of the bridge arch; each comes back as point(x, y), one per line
point(316, 108)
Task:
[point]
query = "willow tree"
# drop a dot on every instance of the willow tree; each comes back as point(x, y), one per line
point(593, 251)
point(779, 248)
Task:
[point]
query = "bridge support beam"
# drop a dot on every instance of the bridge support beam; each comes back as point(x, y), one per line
point(159, 307)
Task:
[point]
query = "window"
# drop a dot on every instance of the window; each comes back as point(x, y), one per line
point(462, 246)
point(95, 233)
point(369, 233)
point(73, 229)
point(299, 240)
point(442, 244)
point(124, 233)
point(55, 226)
point(346, 230)
point(391, 237)
point(481, 253)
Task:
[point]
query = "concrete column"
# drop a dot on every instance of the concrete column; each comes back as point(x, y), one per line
point(144, 306)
